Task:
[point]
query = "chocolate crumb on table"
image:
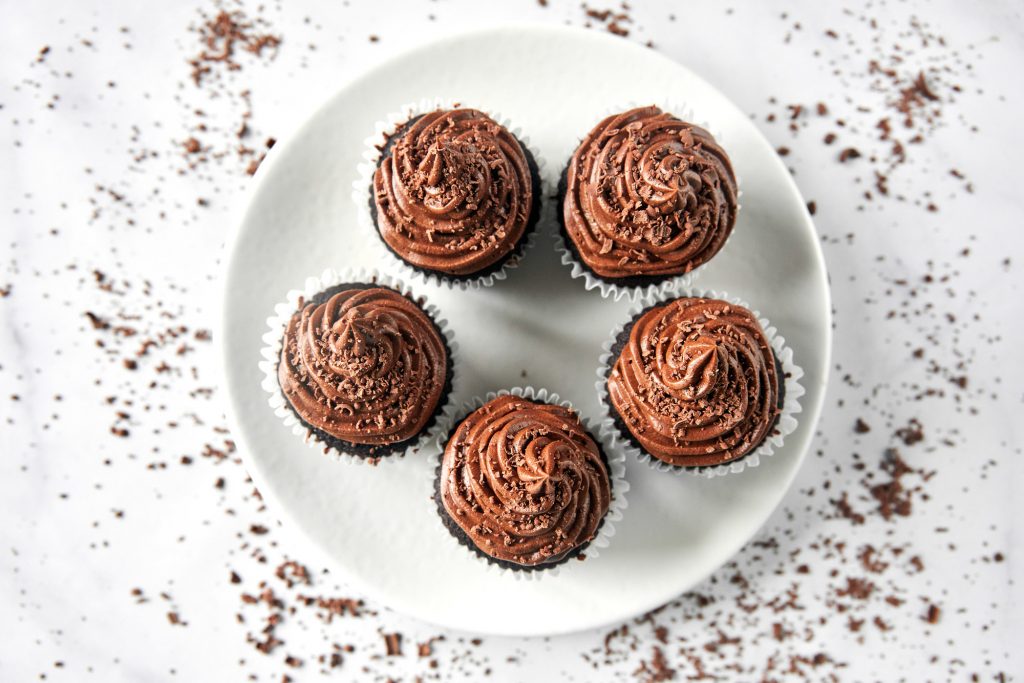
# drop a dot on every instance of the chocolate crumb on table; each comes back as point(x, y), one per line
point(393, 644)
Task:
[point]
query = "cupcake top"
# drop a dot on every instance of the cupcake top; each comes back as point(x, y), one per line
point(524, 481)
point(363, 364)
point(453, 192)
point(695, 382)
point(648, 195)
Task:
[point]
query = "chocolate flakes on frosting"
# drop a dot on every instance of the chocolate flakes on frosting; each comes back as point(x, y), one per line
point(455, 193)
point(523, 482)
point(695, 382)
point(647, 195)
point(364, 366)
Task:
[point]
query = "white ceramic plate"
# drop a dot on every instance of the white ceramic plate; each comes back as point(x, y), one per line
point(377, 525)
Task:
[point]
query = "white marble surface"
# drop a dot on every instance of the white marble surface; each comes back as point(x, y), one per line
point(95, 177)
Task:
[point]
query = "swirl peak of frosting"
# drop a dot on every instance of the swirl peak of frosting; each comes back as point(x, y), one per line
point(695, 382)
point(363, 364)
point(647, 194)
point(524, 481)
point(692, 369)
point(453, 192)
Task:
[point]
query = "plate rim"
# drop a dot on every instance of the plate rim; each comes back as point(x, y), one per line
point(811, 410)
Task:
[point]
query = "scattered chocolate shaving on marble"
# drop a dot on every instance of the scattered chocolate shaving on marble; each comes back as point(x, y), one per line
point(393, 644)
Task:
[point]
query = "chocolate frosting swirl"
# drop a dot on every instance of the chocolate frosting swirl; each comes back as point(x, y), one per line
point(524, 481)
point(455, 194)
point(648, 195)
point(695, 382)
point(363, 364)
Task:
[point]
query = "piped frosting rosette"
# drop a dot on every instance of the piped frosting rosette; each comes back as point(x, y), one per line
point(453, 192)
point(358, 366)
point(646, 199)
point(524, 484)
point(696, 382)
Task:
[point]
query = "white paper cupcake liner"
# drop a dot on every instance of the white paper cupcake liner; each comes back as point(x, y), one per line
point(271, 353)
point(616, 470)
point(610, 288)
point(614, 440)
point(362, 190)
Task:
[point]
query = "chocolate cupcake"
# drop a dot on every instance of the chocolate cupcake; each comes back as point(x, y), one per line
point(523, 483)
point(645, 198)
point(361, 367)
point(454, 194)
point(698, 384)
